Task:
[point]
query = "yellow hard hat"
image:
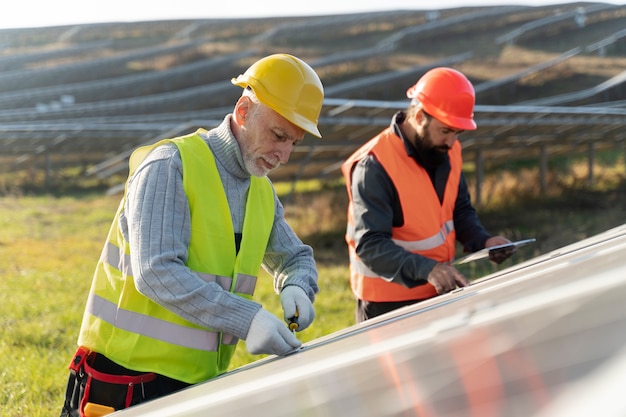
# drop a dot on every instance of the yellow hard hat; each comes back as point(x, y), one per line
point(289, 86)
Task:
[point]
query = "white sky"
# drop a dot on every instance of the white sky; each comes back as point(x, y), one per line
point(37, 13)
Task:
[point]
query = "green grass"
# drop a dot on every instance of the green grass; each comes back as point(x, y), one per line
point(49, 247)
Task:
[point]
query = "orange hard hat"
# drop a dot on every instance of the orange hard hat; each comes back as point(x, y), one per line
point(447, 95)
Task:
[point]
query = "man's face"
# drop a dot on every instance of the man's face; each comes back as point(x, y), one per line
point(267, 139)
point(434, 139)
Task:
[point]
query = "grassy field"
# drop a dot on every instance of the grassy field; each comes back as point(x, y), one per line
point(49, 247)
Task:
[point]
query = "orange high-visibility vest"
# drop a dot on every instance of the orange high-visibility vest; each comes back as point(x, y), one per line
point(428, 228)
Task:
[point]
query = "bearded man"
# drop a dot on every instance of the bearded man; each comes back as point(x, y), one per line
point(409, 201)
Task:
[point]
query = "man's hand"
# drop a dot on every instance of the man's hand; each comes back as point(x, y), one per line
point(294, 299)
point(499, 255)
point(446, 278)
point(269, 335)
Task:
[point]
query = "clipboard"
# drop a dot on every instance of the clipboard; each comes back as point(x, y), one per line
point(484, 253)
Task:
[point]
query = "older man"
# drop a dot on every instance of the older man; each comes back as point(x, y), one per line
point(172, 292)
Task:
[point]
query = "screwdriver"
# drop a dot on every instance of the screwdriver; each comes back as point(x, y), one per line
point(293, 323)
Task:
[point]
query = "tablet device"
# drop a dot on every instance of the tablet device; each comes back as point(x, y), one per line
point(485, 253)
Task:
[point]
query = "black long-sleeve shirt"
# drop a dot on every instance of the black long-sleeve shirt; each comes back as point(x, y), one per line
point(377, 209)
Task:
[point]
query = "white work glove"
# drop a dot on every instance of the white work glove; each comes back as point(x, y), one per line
point(293, 298)
point(269, 335)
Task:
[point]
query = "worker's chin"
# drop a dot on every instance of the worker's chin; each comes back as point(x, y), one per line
point(257, 170)
point(433, 156)
point(260, 167)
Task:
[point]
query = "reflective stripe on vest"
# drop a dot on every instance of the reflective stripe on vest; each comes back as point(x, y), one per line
point(438, 244)
point(431, 242)
point(416, 245)
point(155, 328)
point(423, 244)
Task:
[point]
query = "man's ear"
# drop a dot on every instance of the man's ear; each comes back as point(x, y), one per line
point(242, 110)
point(420, 117)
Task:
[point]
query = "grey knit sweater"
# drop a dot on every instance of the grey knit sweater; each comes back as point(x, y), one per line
point(156, 223)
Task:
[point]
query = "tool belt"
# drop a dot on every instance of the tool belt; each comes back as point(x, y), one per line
point(91, 392)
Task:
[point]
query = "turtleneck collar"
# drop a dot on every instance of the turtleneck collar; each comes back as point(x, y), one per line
point(226, 149)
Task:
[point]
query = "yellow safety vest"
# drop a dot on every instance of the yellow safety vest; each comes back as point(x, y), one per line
point(139, 334)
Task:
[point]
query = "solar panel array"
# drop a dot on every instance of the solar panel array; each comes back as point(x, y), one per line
point(549, 80)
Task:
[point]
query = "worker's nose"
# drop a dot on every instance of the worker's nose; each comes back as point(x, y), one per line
point(450, 139)
point(283, 152)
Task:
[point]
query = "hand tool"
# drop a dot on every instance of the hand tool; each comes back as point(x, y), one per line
point(293, 323)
